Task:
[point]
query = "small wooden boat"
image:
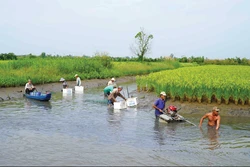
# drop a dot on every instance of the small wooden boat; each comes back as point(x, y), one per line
point(39, 96)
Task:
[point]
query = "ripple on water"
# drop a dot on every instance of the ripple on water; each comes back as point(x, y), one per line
point(80, 130)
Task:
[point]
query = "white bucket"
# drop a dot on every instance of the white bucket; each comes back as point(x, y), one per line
point(120, 105)
point(79, 89)
point(132, 101)
point(67, 91)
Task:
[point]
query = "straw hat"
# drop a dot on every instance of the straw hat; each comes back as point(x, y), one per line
point(62, 79)
point(163, 93)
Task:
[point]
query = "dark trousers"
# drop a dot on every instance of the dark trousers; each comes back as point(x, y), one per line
point(27, 90)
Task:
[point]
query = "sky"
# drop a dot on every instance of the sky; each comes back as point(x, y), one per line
point(215, 29)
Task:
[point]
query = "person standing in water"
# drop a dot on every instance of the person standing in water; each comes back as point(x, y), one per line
point(78, 80)
point(64, 83)
point(213, 118)
point(159, 104)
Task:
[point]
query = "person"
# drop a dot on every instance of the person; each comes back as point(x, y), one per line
point(213, 118)
point(78, 80)
point(64, 83)
point(29, 87)
point(112, 82)
point(159, 104)
point(107, 90)
point(116, 92)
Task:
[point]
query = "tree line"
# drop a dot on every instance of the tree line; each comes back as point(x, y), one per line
point(202, 61)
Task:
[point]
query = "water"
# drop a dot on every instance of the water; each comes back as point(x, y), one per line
point(81, 130)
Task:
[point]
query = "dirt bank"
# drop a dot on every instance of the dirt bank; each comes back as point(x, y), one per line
point(145, 99)
point(11, 93)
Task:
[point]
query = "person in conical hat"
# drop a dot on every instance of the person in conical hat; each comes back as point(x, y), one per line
point(78, 80)
point(64, 83)
point(112, 82)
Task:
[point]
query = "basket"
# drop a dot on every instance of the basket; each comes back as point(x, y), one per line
point(79, 89)
point(120, 105)
point(132, 101)
point(67, 91)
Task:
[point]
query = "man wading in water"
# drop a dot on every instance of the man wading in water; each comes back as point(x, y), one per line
point(213, 118)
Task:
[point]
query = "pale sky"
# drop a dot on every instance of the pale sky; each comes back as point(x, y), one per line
point(215, 29)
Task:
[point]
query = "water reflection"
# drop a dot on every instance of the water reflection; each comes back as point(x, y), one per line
point(114, 116)
point(212, 135)
point(30, 103)
point(159, 132)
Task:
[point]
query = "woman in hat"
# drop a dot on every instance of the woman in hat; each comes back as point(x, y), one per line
point(78, 80)
point(112, 82)
point(64, 83)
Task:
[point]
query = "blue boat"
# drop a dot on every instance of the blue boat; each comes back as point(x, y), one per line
point(39, 96)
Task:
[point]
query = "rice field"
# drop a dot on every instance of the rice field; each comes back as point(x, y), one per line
point(222, 84)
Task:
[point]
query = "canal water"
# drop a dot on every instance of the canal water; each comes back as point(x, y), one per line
point(80, 129)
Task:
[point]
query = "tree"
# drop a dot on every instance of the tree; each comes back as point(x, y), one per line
point(142, 44)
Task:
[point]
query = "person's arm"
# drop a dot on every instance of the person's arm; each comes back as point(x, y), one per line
point(119, 94)
point(218, 123)
point(202, 118)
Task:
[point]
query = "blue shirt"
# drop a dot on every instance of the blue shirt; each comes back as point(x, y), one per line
point(159, 103)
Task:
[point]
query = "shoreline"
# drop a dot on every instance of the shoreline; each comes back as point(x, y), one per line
point(146, 99)
point(9, 93)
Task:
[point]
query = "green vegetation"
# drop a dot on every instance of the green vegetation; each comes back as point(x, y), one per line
point(46, 69)
point(202, 61)
point(223, 84)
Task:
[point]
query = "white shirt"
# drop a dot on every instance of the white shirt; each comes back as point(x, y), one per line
point(28, 86)
point(111, 83)
point(78, 81)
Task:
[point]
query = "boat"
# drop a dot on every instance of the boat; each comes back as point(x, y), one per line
point(171, 115)
point(168, 118)
point(39, 96)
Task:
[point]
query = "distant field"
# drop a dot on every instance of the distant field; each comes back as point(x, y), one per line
point(223, 84)
point(51, 69)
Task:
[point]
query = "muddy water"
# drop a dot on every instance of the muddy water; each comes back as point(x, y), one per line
point(80, 129)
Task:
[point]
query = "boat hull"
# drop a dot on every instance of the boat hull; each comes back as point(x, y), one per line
point(167, 118)
point(39, 96)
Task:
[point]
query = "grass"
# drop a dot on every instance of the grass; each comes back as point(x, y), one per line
point(51, 69)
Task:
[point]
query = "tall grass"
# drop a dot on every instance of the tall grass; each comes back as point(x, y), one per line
point(51, 69)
